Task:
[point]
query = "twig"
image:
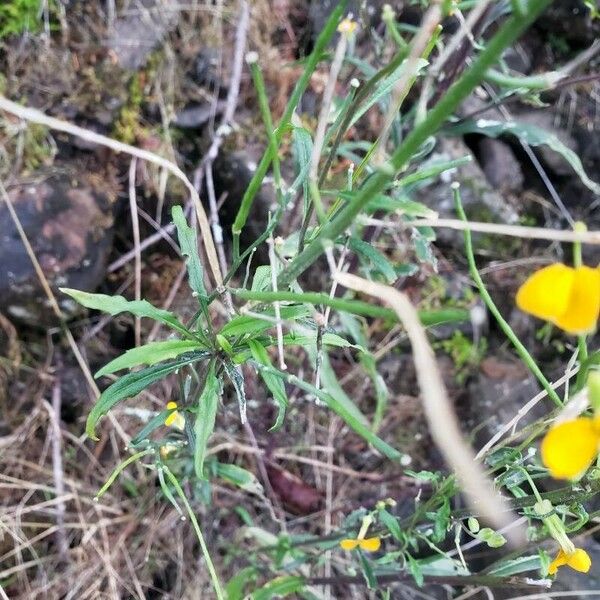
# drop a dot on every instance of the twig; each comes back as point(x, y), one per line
point(57, 471)
point(35, 116)
point(163, 233)
point(520, 231)
point(334, 71)
point(276, 305)
point(438, 410)
point(135, 226)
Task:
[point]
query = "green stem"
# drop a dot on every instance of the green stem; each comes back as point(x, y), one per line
point(428, 317)
point(119, 469)
point(195, 524)
point(507, 34)
point(506, 328)
point(544, 81)
point(311, 63)
point(263, 103)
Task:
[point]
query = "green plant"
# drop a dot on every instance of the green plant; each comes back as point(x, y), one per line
point(18, 16)
point(271, 320)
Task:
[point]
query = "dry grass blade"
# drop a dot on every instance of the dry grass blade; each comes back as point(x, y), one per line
point(438, 410)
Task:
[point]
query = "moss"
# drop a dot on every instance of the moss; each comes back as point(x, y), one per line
point(18, 16)
point(128, 128)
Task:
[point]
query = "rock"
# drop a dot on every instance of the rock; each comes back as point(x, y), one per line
point(135, 36)
point(500, 165)
point(571, 21)
point(196, 116)
point(232, 172)
point(68, 222)
point(501, 388)
point(481, 202)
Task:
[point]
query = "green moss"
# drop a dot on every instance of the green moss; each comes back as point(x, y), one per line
point(18, 16)
point(465, 355)
point(127, 128)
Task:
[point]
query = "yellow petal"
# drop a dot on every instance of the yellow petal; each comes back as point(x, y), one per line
point(559, 561)
point(546, 293)
point(583, 307)
point(370, 544)
point(171, 418)
point(580, 561)
point(349, 544)
point(171, 405)
point(569, 448)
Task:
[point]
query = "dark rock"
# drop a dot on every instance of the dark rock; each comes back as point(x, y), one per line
point(480, 200)
point(196, 116)
point(570, 20)
point(232, 172)
point(68, 222)
point(135, 36)
point(206, 68)
point(502, 387)
point(500, 165)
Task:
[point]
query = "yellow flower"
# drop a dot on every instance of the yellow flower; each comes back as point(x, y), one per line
point(347, 26)
point(175, 419)
point(569, 449)
point(578, 559)
point(368, 545)
point(566, 296)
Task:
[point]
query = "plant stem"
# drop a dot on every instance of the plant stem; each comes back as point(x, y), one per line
point(195, 524)
point(427, 317)
point(507, 34)
point(119, 469)
point(314, 59)
point(506, 328)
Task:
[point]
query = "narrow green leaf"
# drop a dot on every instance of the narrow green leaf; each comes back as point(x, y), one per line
point(235, 376)
point(274, 383)
point(530, 134)
point(367, 571)
point(115, 305)
point(245, 324)
point(149, 354)
point(302, 145)
point(328, 339)
point(188, 242)
point(369, 254)
point(508, 568)
point(385, 87)
point(279, 588)
point(234, 589)
point(131, 384)
point(391, 523)
point(415, 570)
point(205, 418)
point(154, 423)
point(243, 478)
point(262, 278)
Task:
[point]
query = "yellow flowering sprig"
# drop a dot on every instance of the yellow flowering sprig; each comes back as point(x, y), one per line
point(367, 544)
point(175, 418)
point(576, 558)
